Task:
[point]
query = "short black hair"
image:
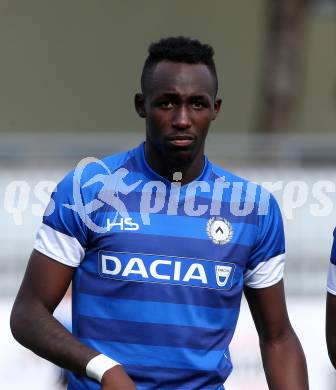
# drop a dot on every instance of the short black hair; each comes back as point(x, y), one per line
point(179, 49)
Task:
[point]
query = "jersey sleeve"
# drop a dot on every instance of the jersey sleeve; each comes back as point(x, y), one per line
point(331, 282)
point(62, 234)
point(266, 262)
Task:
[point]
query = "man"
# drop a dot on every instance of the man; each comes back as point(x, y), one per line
point(331, 306)
point(157, 284)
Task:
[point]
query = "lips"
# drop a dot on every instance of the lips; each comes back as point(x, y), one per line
point(181, 140)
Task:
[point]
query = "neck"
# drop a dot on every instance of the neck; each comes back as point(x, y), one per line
point(167, 166)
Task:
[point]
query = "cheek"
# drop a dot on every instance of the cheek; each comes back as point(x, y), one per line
point(159, 121)
point(202, 122)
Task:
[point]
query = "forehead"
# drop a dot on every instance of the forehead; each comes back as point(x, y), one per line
point(181, 78)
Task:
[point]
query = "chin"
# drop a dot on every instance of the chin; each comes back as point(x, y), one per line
point(180, 158)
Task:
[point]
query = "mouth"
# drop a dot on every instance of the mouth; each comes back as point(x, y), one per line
point(180, 140)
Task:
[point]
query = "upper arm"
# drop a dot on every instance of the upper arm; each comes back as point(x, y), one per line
point(331, 305)
point(45, 282)
point(265, 265)
point(58, 250)
point(264, 272)
point(269, 311)
point(331, 326)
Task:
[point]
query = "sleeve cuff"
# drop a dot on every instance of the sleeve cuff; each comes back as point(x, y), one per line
point(59, 246)
point(266, 273)
point(331, 282)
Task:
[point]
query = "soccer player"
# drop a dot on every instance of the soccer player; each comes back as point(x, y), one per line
point(331, 306)
point(159, 244)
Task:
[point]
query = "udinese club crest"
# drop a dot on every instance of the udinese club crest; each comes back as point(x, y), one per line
point(219, 230)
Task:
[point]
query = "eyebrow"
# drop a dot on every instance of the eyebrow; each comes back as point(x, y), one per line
point(175, 94)
point(200, 96)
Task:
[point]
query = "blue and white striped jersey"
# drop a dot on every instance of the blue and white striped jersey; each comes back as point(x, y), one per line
point(331, 284)
point(160, 267)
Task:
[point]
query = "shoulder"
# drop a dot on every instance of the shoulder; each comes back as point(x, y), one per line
point(90, 175)
point(89, 167)
point(243, 189)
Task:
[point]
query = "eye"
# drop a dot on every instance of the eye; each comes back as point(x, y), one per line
point(197, 105)
point(166, 105)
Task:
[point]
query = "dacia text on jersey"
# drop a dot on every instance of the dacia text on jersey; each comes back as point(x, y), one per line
point(140, 267)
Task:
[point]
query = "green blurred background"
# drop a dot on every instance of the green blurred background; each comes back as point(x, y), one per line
point(75, 65)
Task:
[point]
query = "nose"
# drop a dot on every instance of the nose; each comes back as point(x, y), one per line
point(181, 119)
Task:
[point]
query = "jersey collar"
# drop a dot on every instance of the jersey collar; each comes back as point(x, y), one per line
point(152, 175)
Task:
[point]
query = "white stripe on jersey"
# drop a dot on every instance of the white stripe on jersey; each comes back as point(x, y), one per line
point(266, 274)
point(59, 246)
point(331, 283)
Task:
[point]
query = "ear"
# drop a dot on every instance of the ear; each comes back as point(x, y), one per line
point(217, 107)
point(139, 103)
